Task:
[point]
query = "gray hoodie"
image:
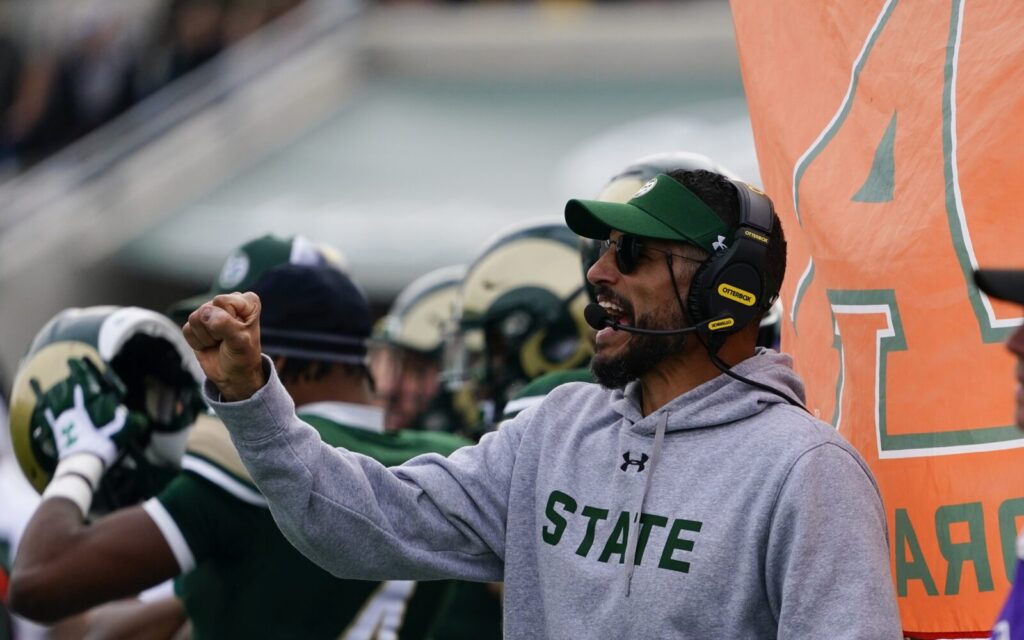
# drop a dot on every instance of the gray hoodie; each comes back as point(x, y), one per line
point(755, 520)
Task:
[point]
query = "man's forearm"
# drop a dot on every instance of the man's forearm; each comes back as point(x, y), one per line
point(51, 531)
point(65, 566)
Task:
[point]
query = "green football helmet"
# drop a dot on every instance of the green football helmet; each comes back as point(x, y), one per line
point(522, 301)
point(422, 312)
point(406, 357)
point(139, 359)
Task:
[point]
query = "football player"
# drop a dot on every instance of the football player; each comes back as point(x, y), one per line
point(238, 576)
point(406, 357)
point(78, 362)
point(521, 304)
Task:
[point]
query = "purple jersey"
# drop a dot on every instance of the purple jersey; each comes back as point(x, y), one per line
point(1011, 621)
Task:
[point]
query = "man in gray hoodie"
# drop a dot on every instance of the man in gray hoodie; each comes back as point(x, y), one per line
point(668, 501)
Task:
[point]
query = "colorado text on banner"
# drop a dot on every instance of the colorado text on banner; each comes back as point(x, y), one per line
point(890, 134)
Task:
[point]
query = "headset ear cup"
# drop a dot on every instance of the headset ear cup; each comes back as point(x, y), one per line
point(738, 280)
point(704, 301)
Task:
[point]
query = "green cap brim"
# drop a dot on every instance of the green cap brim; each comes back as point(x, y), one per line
point(662, 208)
point(596, 219)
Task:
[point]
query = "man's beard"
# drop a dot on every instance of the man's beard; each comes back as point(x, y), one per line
point(641, 353)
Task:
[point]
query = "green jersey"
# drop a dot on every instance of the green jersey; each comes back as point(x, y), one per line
point(242, 579)
point(471, 611)
point(538, 388)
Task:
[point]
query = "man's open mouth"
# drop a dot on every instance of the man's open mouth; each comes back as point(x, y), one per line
point(618, 312)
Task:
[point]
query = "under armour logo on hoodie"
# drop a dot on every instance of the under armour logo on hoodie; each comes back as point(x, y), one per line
point(640, 462)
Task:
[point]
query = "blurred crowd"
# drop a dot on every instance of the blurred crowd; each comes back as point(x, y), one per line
point(105, 60)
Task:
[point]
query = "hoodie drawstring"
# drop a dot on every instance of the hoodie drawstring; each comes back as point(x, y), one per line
point(659, 437)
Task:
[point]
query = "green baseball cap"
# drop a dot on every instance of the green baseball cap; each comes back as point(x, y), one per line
point(249, 262)
point(662, 209)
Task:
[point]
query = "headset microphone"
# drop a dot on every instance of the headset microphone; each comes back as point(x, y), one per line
point(598, 319)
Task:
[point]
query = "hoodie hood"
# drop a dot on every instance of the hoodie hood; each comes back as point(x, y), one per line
point(718, 401)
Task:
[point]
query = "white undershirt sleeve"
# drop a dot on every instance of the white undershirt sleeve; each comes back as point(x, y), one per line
point(172, 534)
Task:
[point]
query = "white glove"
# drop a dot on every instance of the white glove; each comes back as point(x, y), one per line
point(74, 431)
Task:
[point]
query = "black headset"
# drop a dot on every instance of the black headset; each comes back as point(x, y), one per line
point(730, 289)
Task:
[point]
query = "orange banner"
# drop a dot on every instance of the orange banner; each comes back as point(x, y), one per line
point(890, 135)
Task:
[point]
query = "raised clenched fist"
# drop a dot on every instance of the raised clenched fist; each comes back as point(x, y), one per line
point(225, 335)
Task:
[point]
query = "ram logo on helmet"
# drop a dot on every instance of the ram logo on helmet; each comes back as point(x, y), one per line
point(647, 187)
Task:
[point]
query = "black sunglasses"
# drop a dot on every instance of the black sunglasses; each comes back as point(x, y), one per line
point(628, 249)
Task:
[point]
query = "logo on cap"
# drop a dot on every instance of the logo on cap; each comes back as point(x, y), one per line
point(647, 187)
point(235, 268)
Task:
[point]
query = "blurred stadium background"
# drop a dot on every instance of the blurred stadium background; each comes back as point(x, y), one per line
point(142, 140)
